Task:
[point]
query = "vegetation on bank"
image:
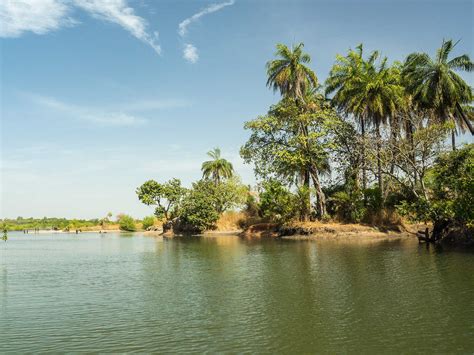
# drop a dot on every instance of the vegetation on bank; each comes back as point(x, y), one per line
point(122, 222)
point(366, 146)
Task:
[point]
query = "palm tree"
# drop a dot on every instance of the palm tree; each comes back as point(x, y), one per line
point(289, 74)
point(344, 75)
point(377, 96)
point(370, 92)
point(218, 168)
point(434, 84)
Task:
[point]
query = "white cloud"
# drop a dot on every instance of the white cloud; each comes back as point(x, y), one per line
point(183, 26)
point(190, 53)
point(117, 11)
point(43, 16)
point(103, 118)
point(37, 16)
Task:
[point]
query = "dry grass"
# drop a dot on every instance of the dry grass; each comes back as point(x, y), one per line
point(230, 221)
point(107, 227)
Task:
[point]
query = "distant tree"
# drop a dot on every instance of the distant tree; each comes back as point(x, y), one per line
point(167, 197)
point(218, 168)
point(127, 223)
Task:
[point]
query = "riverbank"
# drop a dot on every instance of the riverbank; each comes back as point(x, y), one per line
point(308, 231)
point(319, 230)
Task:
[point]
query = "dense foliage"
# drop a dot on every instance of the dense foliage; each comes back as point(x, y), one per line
point(31, 223)
point(148, 221)
point(368, 143)
point(167, 196)
point(450, 190)
point(198, 208)
point(127, 223)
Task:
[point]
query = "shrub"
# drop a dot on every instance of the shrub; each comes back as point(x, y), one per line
point(198, 211)
point(127, 223)
point(148, 221)
point(277, 202)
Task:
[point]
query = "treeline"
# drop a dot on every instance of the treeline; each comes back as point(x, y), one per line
point(31, 223)
point(366, 145)
point(371, 140)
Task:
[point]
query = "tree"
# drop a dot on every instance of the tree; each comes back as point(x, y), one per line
point(218, 168)
point(289, 74)
point(279, 149)
point(148, 221)
point(277, 202)
point(229, 194)
point(105, 220)
point(198, 211)
point(346, 74)
point(448, 206)
point(127, 223)
point(434, 84)
point(167, 197)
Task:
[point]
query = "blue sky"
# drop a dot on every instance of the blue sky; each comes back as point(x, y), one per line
point(98, 96)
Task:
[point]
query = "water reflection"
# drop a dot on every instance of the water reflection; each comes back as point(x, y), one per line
point(117, 293)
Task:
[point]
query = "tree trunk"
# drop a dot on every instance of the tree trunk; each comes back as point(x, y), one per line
point(364, 174)
point(465, 119)
point(379, 159)
point(409, 135)
point(319, 194)
point(307, 209)
point(453, 139)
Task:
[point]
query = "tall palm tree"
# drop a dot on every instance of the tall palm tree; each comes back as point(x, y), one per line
point(370, 91)
point(345, 74)
point(434, 83)
point(218, 168)
point(377, 96)
point(289, 74)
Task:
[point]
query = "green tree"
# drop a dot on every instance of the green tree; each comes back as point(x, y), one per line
point(167, 197)
point(280, 149)
point(448, 204)
point(277, 202)
point(288, 74)
point(346, 74)
point(198, 211)
point(434, 84)
point(218, 168)
point(127, 223)
point(148, 221)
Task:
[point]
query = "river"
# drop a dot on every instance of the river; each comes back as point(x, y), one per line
point(135, 293)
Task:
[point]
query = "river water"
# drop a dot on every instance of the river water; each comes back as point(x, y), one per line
point(135, 293)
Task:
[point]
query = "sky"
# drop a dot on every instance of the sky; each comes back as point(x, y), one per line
point(98, 96)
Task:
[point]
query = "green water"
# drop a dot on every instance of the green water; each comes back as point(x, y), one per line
point(119, 293)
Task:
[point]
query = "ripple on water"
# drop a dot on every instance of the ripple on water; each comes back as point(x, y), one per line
point(90, 293)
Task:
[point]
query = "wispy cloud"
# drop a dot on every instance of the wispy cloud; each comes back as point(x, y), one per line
point(183, 26)
point(150, 105)
point(190, 51)
point(117, 11)
point(40, 16)
point(43, 16)
point(93, 115)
